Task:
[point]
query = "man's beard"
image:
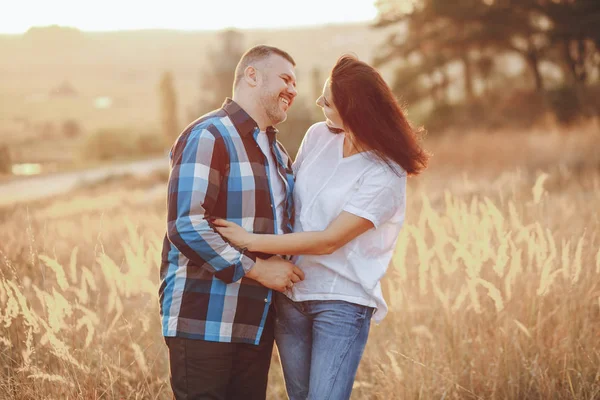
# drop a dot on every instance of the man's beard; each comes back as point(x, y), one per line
point(272, 110)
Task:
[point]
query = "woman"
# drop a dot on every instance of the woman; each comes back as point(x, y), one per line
point(350, 199)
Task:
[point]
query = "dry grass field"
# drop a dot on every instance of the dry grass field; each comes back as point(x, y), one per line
point(494, 289)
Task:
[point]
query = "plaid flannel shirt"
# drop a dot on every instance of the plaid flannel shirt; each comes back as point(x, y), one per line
point(218, 170)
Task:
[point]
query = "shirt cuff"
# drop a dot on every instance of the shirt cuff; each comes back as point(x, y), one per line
point(237, 271)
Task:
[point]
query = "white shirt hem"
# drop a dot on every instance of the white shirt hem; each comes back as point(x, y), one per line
point(332, 296)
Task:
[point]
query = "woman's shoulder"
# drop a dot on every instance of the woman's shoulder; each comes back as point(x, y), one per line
point(316, 135)
point(319, 126)
point(319, 130)
point(388, 174)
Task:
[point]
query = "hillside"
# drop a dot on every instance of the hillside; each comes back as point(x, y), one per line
point(49, 75)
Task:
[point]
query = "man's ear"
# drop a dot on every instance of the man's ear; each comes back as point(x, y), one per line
point(251, 76)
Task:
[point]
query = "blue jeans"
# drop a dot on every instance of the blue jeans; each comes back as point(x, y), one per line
point(320, 344)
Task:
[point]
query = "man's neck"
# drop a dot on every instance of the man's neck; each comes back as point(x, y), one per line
point(252, 109)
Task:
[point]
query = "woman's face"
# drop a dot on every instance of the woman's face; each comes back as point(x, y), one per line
point(325, 101)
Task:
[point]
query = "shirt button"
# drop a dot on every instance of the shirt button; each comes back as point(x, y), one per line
point(266, 300)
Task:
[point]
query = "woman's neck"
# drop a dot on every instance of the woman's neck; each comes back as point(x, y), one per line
point(349, 146)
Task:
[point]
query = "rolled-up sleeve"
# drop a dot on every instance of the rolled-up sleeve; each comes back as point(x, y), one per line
point(378, 197)
point(198, 165)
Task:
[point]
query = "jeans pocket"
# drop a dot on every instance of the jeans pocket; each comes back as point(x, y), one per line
point(345, 310)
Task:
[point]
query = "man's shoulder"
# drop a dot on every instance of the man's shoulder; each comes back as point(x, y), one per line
point(210, 123)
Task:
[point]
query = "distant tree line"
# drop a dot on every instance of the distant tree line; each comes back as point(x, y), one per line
point(436, 36)
point(216, 84)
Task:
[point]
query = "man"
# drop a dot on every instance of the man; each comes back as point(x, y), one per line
point(216, 299)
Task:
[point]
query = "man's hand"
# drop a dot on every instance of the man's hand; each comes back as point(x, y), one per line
point(275, 273)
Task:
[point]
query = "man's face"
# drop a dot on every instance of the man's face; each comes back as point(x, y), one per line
point(277, 88)
point(332, 116)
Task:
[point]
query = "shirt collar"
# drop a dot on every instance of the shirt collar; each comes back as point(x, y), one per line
point(243, 122)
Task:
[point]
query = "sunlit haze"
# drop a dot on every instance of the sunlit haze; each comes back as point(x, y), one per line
point(110, 15)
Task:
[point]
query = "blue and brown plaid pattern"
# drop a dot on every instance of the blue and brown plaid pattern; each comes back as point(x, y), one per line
point(218, 170)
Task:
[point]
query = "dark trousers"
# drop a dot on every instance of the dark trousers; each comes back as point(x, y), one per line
point(220, 371)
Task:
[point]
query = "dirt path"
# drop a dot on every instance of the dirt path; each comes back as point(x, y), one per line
point(35, 188)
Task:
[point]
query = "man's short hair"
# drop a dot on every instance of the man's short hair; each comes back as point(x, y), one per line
point(255, 54)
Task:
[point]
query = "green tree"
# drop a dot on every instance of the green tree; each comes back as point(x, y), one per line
point(435, 36)
point(5, 160)
point(438, 33)
point(71, 128)
point(217, 76)
point(168, 106)
point(575, 33)
point(317, 82)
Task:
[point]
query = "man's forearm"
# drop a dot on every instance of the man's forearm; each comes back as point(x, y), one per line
point(204, 247)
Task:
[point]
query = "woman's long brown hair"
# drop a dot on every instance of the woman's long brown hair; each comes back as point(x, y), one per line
point(370, 111)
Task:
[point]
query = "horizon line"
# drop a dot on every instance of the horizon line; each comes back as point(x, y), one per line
point(197, 30)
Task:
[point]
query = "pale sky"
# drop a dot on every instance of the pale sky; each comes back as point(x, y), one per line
point(103, 15)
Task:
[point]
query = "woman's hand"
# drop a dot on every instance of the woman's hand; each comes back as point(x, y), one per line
point(234, 233)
